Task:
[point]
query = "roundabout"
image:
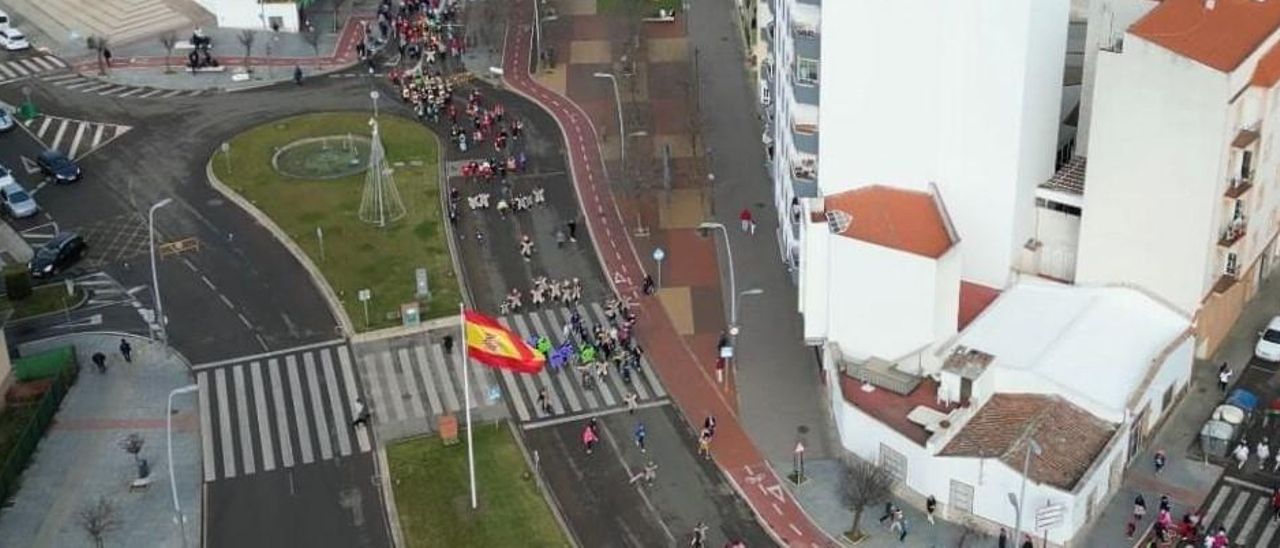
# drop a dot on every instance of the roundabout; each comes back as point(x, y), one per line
point(327, 157)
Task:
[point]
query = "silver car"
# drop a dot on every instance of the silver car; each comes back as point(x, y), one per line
point(6, 119)
point(16, 200)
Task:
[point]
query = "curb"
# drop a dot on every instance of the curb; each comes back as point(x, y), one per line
point(459, 271)
point(550, 499)
point(331, 298)
point(84, 297)
point(400, 331)
point(383, 470)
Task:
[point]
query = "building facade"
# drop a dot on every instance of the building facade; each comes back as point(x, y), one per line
point(254, 14)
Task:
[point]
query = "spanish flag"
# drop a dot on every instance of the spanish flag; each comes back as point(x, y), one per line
point(496, 346)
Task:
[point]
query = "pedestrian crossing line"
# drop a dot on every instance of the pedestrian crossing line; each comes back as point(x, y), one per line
point(44, 126)
point(349, 381)
point(151, 93)
point(8, 72)
point(132, 91)
point(282, 420)
point(299, 409)
point(242, 414)
point(31, 66)
point(317, 406)
point(569, 393)
point(480, 383)
point(58, 79)
point(113, 89)
point(545, 377)
point(75, 141)
point(1268, 532)
point(62, 130)
point(264, 427)
point(515, 323)
point(18, 69)
point(206, 427)
point(1251, 521)
point(96, 87)
point(564, 419)
point(224, 424)
point(433, 400)
point(172, 93)
point(335, 403)
point(374, 390)
point(394, 393)
point(1216, 505)
point(513, 392)
point(81, 84)
point(442, 377)
point(415, 399)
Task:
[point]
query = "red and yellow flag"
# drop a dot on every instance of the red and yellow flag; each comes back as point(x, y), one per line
point(496, 346)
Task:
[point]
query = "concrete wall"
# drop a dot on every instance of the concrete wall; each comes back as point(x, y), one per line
point(1153, 174)
point(250, 14)
point(1059, 237)
point(885, 301)
point(1107, 22)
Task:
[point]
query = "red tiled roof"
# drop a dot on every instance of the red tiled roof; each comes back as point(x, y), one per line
point(892, 409)
point(1070, 437)
point(1221, 38)
point(900, 219)
point(974, 298)
point(1267, 73)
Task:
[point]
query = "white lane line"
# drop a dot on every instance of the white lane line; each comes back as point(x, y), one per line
point(373, 392)
point(206, 427)
point(433, 399)
point(131, 92)
point(591, 413)
point(62, 130)
point(173, 93)
point(415, 399)
point(224, 425)
point(111, 90)
point(43, 126)
point(152, 93)
point(80, 84)
point(349, 381)
point(75, 141)
point(97, 136)
point(317, 406)
point(282, 418)
point(446, 383)
point(1251, 521)
point(242, 416)
point(264, 419)
point(56, 61)
point(335, 404)
point(299, 409)
point(393, 385)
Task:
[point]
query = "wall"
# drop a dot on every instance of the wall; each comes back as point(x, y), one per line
point(815, 271)
point(1174, 371)
point(1153, 173)
point(250, 14)
point(883, 303)
point(1108, 20)
point(6, 369)
point(1059, 236)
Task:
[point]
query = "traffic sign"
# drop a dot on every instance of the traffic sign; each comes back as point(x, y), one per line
point(364, 295)
point(1050, 516)
point(659, 254)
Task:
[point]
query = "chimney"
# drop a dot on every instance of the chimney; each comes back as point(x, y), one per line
point(1209, 4)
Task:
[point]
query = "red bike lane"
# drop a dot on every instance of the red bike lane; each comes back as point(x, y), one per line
point(692, 389)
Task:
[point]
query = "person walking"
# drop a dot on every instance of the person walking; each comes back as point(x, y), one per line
point(630, 399)
point(930, 504)
point(1159, 460)
point(572, 225)
point(126, 350)
point(100, 360)
point(1264, 454)
point(748, 222)
point(704, 444)
point(1224, 377)
point(902, 527)
point(589, 438)
point(361, 414)
point(640, 435)
point(544, 403)
point(297, 75)
point(1003, 541)
point(699, 535)
point(1275, 503)
point(648, 286)
point(709, 424)
point(888, 513)
point(1241, 454)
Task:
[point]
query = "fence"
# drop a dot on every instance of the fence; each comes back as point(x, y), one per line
point(25, 445)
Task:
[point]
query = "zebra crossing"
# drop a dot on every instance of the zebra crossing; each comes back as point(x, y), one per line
point(29, 66)
point(278, 410)
point(89, 84)
point(568, 399)
point(75, 138)
point(1245, 510)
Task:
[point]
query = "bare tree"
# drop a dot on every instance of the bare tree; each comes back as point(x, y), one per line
point(312, 37)
point(970, 534)
point(865, 484)
point(97, 519)
point(246, 38)
point(132, 444)
point(99, 45)
point(169, 40)
point(337, 7)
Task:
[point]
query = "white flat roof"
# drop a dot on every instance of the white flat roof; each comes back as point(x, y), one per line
point(1095, 343)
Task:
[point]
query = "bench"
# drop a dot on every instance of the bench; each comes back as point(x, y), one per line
point(140, 484)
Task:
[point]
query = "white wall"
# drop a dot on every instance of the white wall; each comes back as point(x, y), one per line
point(1174, 371)
point(1059, 236)
point(965, 94)
point(814, 284)
point(1159, 127)
point(250, 14)
point(884, 303)
point(1108, 20)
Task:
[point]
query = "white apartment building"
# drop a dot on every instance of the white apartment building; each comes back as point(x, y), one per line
point(1180, 196)
point(254, 14)
point(962, 95)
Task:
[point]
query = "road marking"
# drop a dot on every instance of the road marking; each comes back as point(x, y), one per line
point(92, 89)
point(349, 380)
point(514, 391)
point(335, 402)
point(282, 419)
point(62, 130)
point(226, 301)
point(1251, 521)
point(545, 376)
point(1236, 508)
point(152, 93)
point(62, 78)
point(206, 427)
point(393, 385)
point(97, 136)
point(264, 420)
point(528, 382)
point(43, 126)
point(317, 406)
point(299, 409)
point(172, 93)
point(31, 65)
point(415, 399)
point(4, 67)
point(80, 84)
point(75, 141)
point(224, 425)
point(19, 68)
point(131, 91)
point(245, 321)
point(111, 90)
point(1268, 532)
point(433, 399)
point(294, 350)
point(242, 416)
point(446, 384)
point(589, 414)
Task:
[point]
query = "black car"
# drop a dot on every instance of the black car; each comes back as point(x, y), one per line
point(58, 166)
point(57, 254)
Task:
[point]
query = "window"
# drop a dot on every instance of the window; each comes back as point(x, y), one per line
point(960, 503)
point(1058, 206)
point(1233, 264)
point(894, 463)
point(807, 71)
point(1167, 399)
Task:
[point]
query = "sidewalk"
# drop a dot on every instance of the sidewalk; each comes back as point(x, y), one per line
point(691, 387)
point(81, 459)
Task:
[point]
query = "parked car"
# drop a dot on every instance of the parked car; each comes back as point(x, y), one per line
point(1268, 347)
point(17, 201)
point(13, 40)
point(57, 254)
point(57, 165)
point(6, 119)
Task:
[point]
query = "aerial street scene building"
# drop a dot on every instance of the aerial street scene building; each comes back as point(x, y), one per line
point(708, 273)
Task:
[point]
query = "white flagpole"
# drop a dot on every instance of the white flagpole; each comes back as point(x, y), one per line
point(466, 389)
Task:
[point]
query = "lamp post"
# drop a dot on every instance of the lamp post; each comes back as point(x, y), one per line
point(622, 131)
point(733, 310)
point(733, 286)
point(155, 278)
point(1032, 447)
point(173, 484)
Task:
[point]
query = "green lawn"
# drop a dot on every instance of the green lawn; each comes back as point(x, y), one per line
point(357, 255)
point(430, 484)
point(43, 299)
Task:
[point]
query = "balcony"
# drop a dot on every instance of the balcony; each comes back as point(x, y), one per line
point(1237, 187)
point(804, 169)
point(1233, 233)
point(1225, 282)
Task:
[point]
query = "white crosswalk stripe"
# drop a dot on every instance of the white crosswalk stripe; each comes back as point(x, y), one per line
point(277, 411)
point(1245, 511)
point(85, 83)
point(72, 137)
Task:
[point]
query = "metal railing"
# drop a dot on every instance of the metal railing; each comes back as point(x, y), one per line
point(26, 442)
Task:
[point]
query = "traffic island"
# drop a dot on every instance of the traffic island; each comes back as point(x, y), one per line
point(308, 178)
point(432, 496)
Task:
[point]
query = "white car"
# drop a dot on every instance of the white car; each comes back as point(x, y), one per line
point(13, 40)
point(1268, 347)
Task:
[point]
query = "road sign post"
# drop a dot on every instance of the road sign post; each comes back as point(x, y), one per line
point(364, 295)
point(1049, 517)
point(320, 238)
point(658, 256)
point(798, 462)
point(71, 292)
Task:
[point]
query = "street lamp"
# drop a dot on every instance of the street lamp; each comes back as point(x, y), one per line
point(733, 310)
point(622, 131)
point(173, 484)
point(1032, 447)
point(155, 279)
point(733, 287)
